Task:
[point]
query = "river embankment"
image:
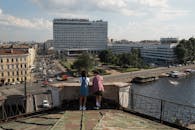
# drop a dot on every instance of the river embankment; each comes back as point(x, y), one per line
point(127, 77)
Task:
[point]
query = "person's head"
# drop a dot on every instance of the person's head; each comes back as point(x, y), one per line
point(95, 72)
point(83, 74)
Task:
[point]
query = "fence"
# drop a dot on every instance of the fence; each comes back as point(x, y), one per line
point(163, 110)
point(18, 105)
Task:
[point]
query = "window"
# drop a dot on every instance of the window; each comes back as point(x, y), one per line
point(1, 60)
point(12, 60)
point(8, 73)
point(7, 60)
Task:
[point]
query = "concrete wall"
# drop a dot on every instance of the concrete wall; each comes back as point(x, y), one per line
point(113, 91)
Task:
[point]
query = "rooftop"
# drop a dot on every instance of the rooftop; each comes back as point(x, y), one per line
point(12, 51)
point(107, 119)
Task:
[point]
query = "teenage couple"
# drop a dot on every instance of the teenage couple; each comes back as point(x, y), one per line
point(97, 87)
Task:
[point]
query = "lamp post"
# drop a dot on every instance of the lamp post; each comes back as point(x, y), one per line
point(25, 87)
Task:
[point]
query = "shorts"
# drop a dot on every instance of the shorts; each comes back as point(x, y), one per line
point(98, 93)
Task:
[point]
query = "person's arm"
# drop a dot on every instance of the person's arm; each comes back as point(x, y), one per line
point(87, 79)
point(80, 80)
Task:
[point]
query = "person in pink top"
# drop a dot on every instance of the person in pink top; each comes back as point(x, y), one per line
point(98, 88)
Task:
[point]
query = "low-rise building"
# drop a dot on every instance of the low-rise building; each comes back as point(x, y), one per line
point(161, 53)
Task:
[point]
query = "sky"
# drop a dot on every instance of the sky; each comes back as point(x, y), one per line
point(134, 20)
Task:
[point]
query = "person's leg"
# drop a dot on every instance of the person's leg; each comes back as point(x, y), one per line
point(84, 103)
point(81, 102)
point(99, 100)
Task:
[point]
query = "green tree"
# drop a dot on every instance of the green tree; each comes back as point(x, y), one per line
point(84, 62)
point(185, 50)
point(106, 56)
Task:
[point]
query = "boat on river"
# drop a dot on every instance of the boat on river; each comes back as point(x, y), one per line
point(142, 79)
point(177, 74)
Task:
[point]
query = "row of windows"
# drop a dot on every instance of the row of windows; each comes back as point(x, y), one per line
point(14, 73)
point(14, 60)
point(12, 66)
point(16, 80)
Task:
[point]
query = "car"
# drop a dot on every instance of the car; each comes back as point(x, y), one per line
point(46, 104)
point(50, 80)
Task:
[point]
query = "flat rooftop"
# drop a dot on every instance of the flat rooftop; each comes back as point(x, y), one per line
point(107, 119)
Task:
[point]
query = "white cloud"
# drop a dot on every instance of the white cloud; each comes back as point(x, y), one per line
point(154, 3)
point(10, 20)
point(170, 14)
point(75, 6)
point(1, 11)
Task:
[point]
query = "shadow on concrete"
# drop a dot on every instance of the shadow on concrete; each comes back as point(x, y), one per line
point(32, 123)
point(74, 104)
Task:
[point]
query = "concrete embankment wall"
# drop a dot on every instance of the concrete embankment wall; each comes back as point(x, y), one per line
point(70, 91)
point(127, 77)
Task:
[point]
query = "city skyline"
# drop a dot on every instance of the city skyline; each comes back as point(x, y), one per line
point(31, 20)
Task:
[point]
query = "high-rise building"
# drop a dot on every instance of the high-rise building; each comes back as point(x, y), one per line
point(76, 35)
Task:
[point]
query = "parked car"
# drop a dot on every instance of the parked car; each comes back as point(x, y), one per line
point(46, 104)
point(50, 80)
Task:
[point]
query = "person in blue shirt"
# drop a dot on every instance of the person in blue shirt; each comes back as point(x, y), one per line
point(84, 90)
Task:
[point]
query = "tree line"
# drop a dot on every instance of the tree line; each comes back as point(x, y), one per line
point(132, 59)
point(185, 51)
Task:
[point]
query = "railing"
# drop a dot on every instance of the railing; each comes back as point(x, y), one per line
point(16, 105)
point(165, 111)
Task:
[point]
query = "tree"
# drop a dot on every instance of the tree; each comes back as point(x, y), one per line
point(84, 62)
point(106, 56)
point(185, 50)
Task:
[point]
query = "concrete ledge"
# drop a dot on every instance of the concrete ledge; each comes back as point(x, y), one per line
point(70, 91)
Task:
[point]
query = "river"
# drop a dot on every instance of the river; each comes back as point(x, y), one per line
point(178, 90)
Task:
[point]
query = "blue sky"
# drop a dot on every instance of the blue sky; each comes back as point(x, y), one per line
point(31, 20)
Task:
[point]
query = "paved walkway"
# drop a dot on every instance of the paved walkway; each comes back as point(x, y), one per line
point(105, 120)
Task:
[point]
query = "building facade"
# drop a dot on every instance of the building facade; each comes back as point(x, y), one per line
point(15, 64)
point(162, 53)
point(78, 35)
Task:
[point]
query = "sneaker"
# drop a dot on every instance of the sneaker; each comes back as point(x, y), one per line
point(97, 108)
point(80, 108)
point(84, 107)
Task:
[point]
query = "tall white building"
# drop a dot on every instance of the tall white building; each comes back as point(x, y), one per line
point(77, 35)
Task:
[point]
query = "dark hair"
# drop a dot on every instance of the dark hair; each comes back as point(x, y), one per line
point(96, 72)
point(83, 74)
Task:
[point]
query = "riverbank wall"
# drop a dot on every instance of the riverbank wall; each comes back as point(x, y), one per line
point(127, 77)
